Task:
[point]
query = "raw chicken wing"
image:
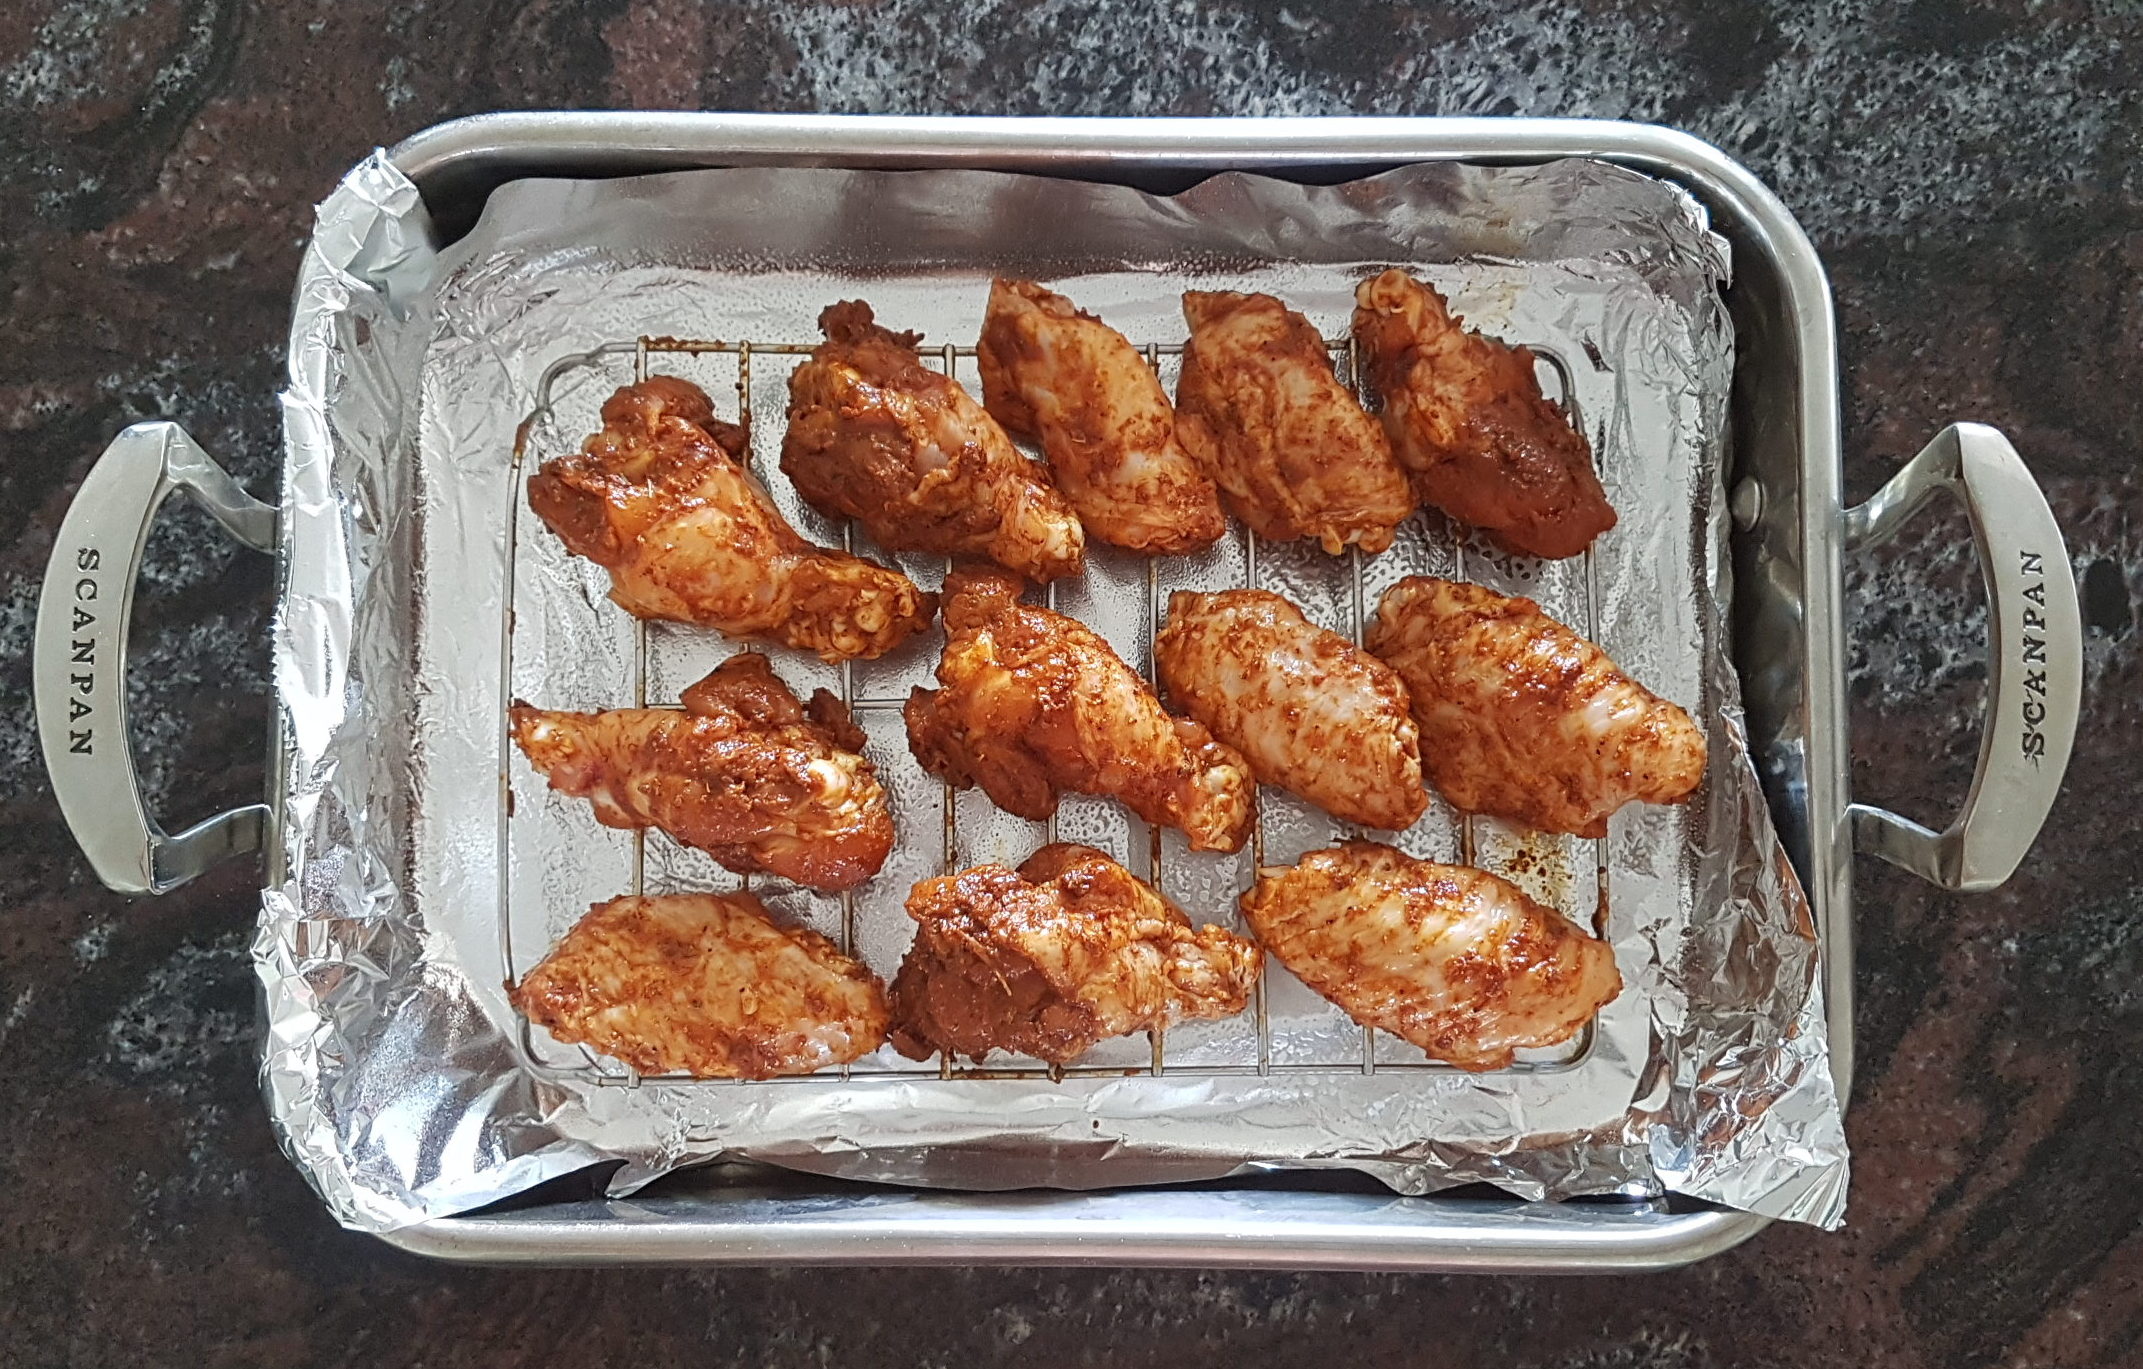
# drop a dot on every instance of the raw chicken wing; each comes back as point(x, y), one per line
point(1468, 422)
point(740, 772)
point(662, 499)
point(1311, 711)
point(1523, 718)
point(877, 436)
point(1069, 381)
point(1047, 961)
point(1451, 958)
point(1035, 702)
point(706, 985)
point(1290, 447)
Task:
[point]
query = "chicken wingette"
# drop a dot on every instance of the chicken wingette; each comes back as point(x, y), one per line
point(878, 436)
point(1454, 959)
point(1312, 712)
point(706, 985)
point(1468, 422)
point(661, 498)
point(1293, 452)
point(743, 771)
point(1067, 380)
point(1045, 961)
point(1524, 719)
point(1031, 702)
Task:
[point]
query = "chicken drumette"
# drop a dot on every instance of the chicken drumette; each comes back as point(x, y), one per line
point(1034, 702)
point(1077, 386)
point(1048, 960)
point(744, 772)
point(1311, 711)
point(1451, 958)
point(1468, 422)
point(661, 498)
point(1290, 447)
point(877, 436)
point(1523, 718)
point(706, 985)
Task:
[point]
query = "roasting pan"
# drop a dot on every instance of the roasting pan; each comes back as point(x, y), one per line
point(1790, 534)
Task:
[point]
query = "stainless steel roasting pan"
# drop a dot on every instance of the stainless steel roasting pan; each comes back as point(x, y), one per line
point(1790, 535)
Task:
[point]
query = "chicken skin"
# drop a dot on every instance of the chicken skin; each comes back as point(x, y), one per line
point(1069, 950)
point(877, 436)
point(742, 772)
point(1312, 712)
point(1034, 702)
point(661, 498)
point(1467, 420)
point(705, 985)
point(1455, 960)
point(1069, 381)
point(1291, 448)
point(1523, 718)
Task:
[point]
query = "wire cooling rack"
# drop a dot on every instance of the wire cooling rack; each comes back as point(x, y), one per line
point(747, 363)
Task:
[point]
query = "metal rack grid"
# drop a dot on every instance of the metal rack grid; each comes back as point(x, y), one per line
point(592, 1067)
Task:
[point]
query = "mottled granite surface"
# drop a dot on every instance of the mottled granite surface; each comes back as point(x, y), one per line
point(1973, 173)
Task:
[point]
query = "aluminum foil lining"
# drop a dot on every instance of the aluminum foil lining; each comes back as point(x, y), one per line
point(408, 889)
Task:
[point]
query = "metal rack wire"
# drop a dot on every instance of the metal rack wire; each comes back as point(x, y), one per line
point(588, 1067)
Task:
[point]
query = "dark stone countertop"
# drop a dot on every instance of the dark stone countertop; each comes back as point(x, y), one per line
point(1973, 173)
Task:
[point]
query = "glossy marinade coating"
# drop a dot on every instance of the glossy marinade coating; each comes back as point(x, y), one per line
point(1312, 712)
point(1523, 718)
point(1454, 959)
point(1291, 448)
point(661, 498)
point(878, 436)
point(743, 771)
point(1468, 422)
point(1078, 387)
point(1032, 702)
point(706, 985)
point(1068, 950)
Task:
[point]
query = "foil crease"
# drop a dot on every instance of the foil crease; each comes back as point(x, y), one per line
point(402, 897)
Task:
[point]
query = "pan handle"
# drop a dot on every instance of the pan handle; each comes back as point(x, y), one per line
point(2035, 650)
point(80, 657)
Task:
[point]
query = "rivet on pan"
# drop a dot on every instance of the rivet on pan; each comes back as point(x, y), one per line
point(1747, 504)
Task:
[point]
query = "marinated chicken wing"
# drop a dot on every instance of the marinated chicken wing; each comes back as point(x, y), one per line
point(1035, 702)
point(706, 985)
point(662, 499)
point(1290, 447)
point(1312, 712)
point(877, 436)
point(1069, 381)
point(1523, 718)
point(1451, 958)
point(1047, 961)
point(1467, 420)
point(740, 772)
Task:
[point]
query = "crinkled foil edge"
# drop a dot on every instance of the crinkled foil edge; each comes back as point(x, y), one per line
point(393, 1092)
